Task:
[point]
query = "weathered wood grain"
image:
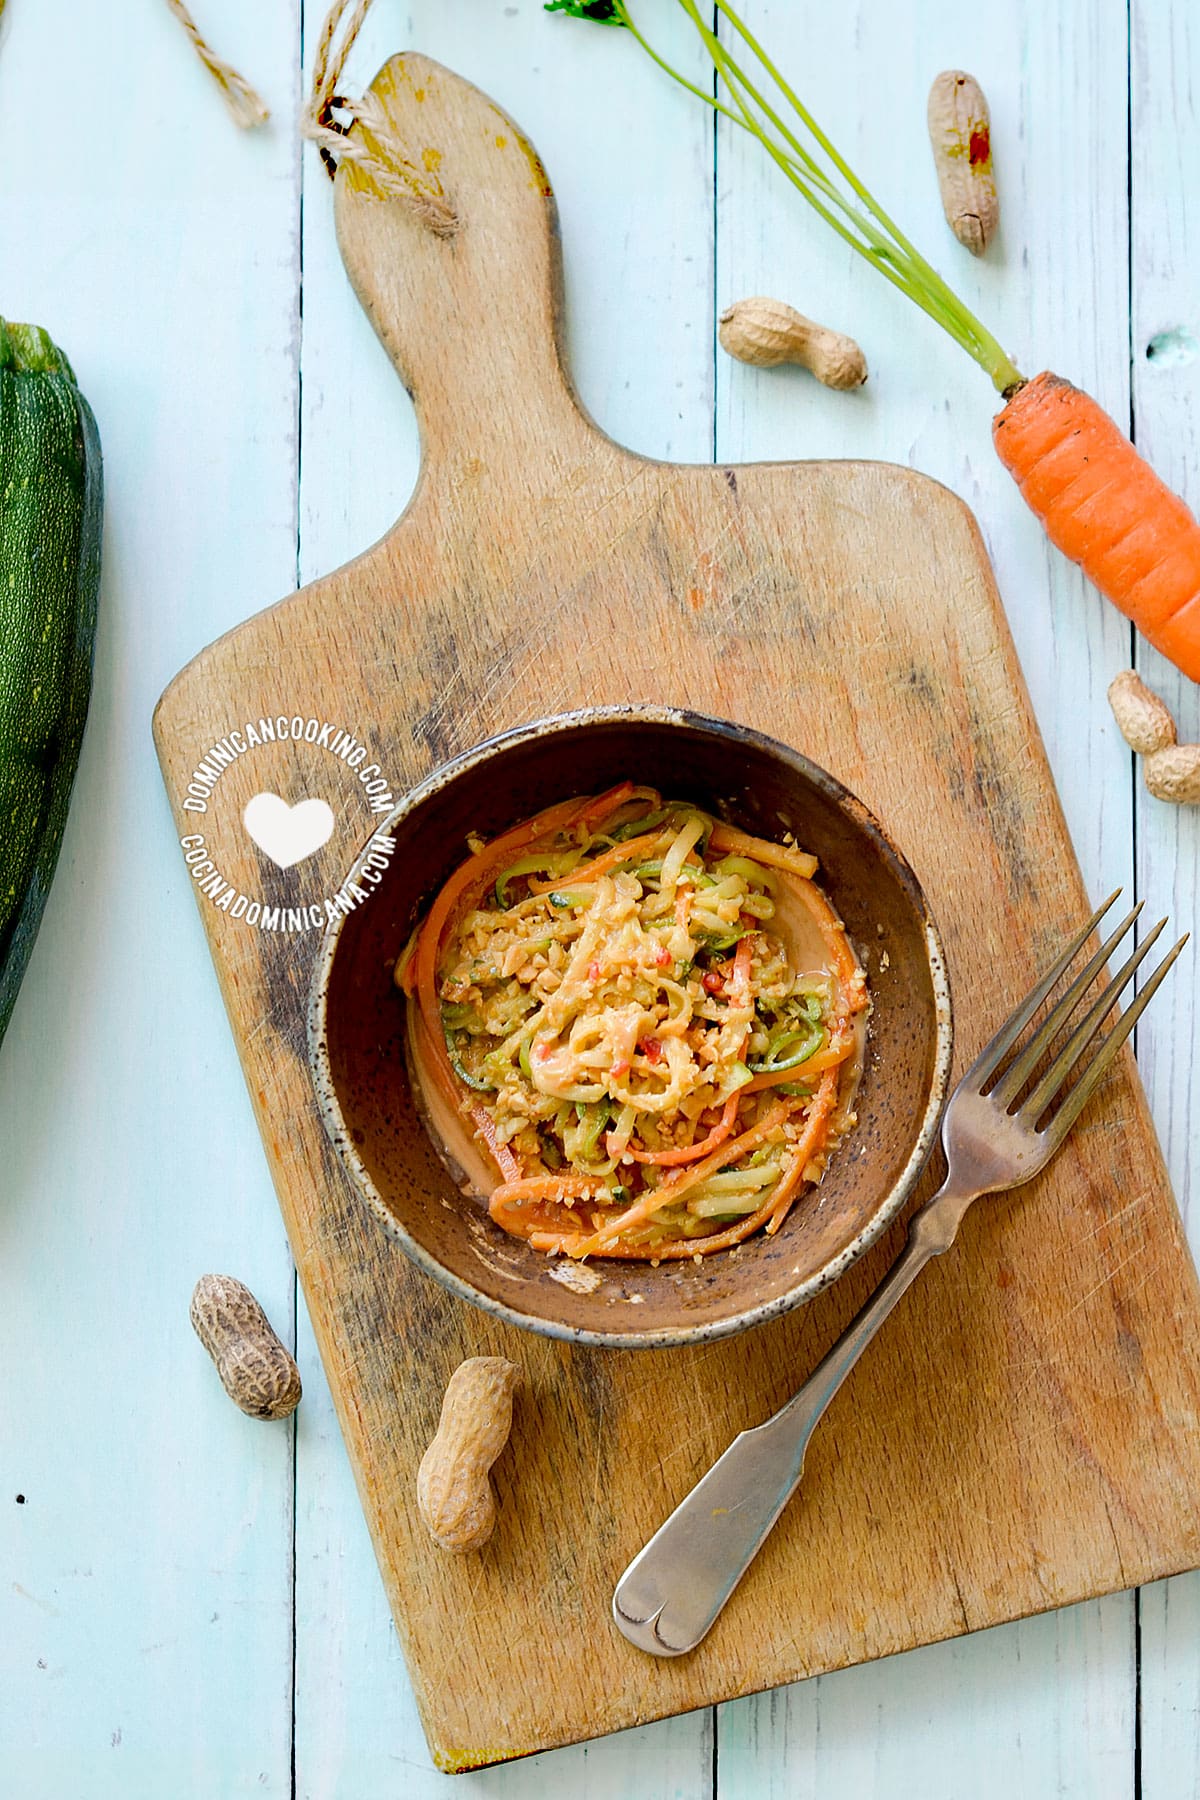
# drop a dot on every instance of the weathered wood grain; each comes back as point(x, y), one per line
point(1012, 1452)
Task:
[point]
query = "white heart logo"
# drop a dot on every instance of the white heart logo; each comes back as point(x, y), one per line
point(287, 834)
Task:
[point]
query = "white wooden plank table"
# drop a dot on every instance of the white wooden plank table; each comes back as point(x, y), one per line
point(189, 1605)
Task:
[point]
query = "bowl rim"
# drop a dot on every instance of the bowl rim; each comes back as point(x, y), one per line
point(665, 1337)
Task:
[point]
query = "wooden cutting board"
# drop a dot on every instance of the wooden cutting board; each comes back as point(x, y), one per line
point(1025, 1433)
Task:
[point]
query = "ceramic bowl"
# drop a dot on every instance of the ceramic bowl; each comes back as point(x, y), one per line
point(357, 1035)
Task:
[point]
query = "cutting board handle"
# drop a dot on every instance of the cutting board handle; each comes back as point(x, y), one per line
point(471, 319)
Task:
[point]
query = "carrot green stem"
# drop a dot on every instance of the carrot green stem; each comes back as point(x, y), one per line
point(821, 174)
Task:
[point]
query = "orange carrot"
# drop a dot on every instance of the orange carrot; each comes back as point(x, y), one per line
point(549, 1242)
point(672, 1250)
point(542, 1187)
point(739, 981)
point(431, 1049)
point(775, 856)
point(1105, 508)
point(1098, 500)
point(845, 965)
point(549, 1236)
point(816, 1064)
point(571, 1243)
point(546, 1187)
point(501, 1155)
point(474, 873)
point(671, 1159)
point(630, 851)
point(530, 1218)
point(647, 1204)
point(816, 1129)
point(597, 810)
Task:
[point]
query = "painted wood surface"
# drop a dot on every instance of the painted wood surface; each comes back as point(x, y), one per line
point(1165, 362)
point(129, 1161)
point(185, 368)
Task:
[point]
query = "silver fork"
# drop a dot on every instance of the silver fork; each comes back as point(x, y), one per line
point(673, 1590)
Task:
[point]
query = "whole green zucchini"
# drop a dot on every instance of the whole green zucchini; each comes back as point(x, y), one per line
point(51, 500)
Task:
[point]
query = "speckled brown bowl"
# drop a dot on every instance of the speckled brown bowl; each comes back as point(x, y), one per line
point(356, 1024)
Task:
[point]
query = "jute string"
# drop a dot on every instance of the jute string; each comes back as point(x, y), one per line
point(330, 115)
point(247, 107)
point(374, 148)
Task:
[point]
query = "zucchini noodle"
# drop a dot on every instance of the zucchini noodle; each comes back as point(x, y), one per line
point(647, 1021)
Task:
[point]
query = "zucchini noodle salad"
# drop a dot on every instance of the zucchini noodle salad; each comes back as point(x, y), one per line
point(637, 1028)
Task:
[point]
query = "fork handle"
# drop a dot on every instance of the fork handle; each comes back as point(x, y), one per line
point(673, 1590)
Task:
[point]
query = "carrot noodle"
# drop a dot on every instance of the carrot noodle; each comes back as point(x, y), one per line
point(817, 1064)
point(815, 1132)
point(501, 1154)
point(741, 972)
point(669, 1159)
point(606, 996)
point(544, 1187)
point(674, 1188)
point(601, 865)
point(432, 1050)
point(772, 1118)
point(845, 963)
point(524, 1206)
point(476, 870)
point(594, 812)
point(570, 1244)
point(552, 1242)
point(775, 856)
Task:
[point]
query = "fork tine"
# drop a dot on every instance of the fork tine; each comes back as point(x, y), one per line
point(993, 1053)
point(1014, 1078)
point(1088, 1027)
point(1096, 1070)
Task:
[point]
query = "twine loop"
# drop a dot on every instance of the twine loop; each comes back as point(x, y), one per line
point(331, 116)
